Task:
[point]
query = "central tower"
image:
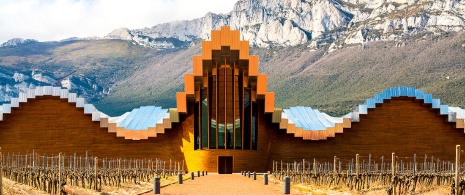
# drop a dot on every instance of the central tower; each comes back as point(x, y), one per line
point(226, 113)
point(225, 106)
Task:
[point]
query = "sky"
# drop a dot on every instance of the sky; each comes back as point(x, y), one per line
point(52, 20)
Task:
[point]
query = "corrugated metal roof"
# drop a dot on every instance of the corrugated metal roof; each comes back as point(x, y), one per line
point(142, 118)
point(309, 119)
point(396, 92)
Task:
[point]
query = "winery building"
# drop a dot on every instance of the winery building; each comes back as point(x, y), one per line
point(226, 121)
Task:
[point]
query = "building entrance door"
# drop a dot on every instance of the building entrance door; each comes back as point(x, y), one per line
point(225, 164)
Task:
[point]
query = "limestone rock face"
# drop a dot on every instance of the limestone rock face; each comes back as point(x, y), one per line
point(268, 23)
point(121, 33)
point(17, 42)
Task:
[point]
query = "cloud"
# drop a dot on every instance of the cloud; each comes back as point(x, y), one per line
point(47, 20)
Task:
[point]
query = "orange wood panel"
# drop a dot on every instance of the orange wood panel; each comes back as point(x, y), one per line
point(197, 65)
point(307, 135)
point(244, 50)
point(206, 50)
point(103, 122)
point(189, 84)
point(152, 132)
point(283, 123)
point(181, 102)
point(253, 66)
point(269, 102)
point(166, 123)
point(160, 128)
point(235, 40)
point(120, 132)
point(216, 40)
point(459, 123)
point(347, 123)
point(261, 84)
point(298, 132)
point(225, 36)
point(314, 135)
point(290, 128)
point(112, 127)
point(131, 134)
point(331, 131)
point(322, 135)
point(339, 127)
point(143, 134)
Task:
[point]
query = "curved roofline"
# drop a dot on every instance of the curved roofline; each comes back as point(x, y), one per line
point(123, 126)
point(312, 124)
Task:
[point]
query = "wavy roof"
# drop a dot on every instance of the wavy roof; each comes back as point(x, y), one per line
point(314, 125)
point(305, 122)
point(140, 123)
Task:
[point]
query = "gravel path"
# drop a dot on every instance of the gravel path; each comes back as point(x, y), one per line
point(223, 184)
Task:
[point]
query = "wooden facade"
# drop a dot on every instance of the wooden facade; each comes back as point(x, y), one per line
point(404, 125)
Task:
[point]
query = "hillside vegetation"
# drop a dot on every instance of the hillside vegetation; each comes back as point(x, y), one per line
point(332, 82)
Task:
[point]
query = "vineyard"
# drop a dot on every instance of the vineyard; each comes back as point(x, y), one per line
point(50, 173)
point(393, 174)
point(397, 175)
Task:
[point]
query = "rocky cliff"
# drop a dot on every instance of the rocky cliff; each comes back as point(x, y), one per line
point(267, 23)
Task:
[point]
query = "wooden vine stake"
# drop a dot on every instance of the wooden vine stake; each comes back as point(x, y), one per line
point(59, 172)
point(393, 168)
point(1, 171)
point(334, 167)
point(457, 168)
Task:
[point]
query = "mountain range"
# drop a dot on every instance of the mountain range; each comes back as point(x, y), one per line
point(328, 54)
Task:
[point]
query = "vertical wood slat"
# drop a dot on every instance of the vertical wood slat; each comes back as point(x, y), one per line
point(1, 171)
point(208, 110)
point(269, 102)
point(298, 132)
point(244, 50)
point(338, 128)
point(283, 123)
point(242, 116)
point(206, 50)
point(199, 122)
point(347, 123)
point(332, 130)
point(217, 104)
point(189, 86)
point(253, 65)
point(181, 102)
point(261, 84)
point(197, 65)
point(216, 39)
point(225, 36)
point(235, 40)
point(225, 106)
point(234, 104)
point(251, 125)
